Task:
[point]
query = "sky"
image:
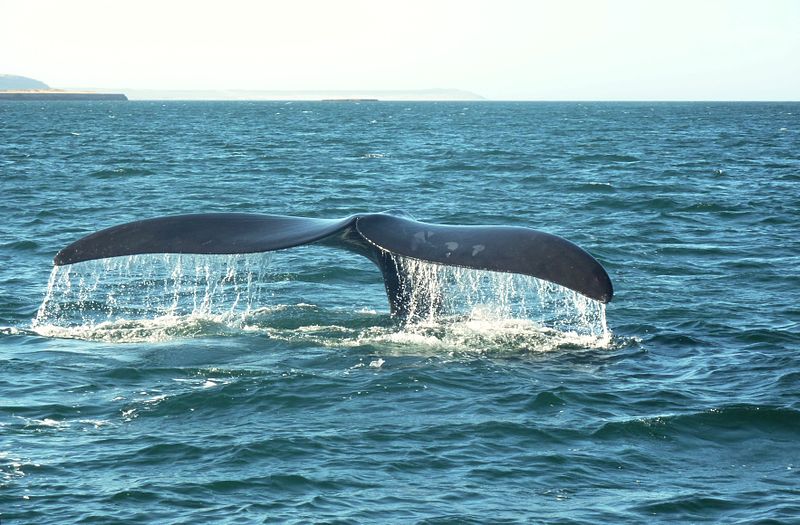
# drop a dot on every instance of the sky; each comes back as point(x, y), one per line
point(499, 49)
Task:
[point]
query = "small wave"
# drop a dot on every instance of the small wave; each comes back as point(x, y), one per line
point(729, 422)
point(59, 420)
point(156, 330)
point(455, 166)
point(596, 187)
point(487, 336)
point(772, 336)
point(25, 245)
point(605, 158)
point(688, 505)
point(119, 172)
point(711, 207)
point(14, 331)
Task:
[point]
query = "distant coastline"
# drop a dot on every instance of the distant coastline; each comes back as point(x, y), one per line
point(350, 100)
point(15, 87)
point(298, 95)
point(58, 94)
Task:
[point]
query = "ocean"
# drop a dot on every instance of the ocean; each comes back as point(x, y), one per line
point(277, 387)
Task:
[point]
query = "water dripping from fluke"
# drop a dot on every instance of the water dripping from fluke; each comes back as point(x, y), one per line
point(466, 309)
point(154, 298)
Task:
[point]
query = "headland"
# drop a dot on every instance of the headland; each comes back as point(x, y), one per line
point(15, 87)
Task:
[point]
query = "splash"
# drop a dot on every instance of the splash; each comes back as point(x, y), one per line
point(152, 297)
point(439, 292)
point(148, 298)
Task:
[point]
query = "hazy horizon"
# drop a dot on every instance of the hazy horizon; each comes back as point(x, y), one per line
point(387, 95)
point(433, 94)
point(511, 50)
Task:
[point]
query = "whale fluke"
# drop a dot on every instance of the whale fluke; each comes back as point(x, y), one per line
point(377, 236)
point(209, 233)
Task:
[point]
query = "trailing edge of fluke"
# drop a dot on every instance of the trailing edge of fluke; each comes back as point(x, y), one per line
point(377, 236)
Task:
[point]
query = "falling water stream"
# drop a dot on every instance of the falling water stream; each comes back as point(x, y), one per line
point(162, 297)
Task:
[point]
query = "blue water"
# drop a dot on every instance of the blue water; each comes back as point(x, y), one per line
point(277, 388)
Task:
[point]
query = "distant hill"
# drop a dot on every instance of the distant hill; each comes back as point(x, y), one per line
point(16, 82)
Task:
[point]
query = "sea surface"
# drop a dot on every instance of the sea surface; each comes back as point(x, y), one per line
point(277, 387)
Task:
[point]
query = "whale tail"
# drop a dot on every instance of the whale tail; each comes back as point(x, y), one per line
point(381, 237)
